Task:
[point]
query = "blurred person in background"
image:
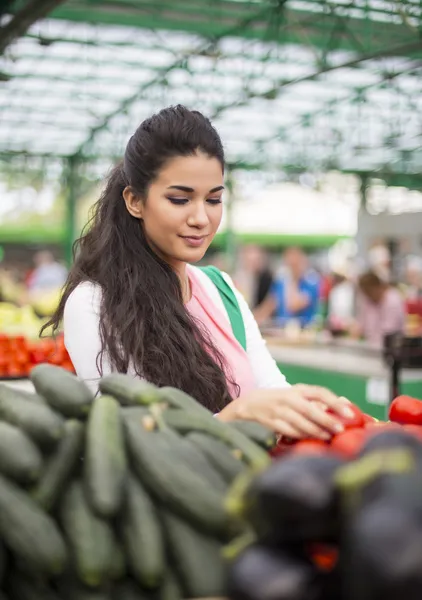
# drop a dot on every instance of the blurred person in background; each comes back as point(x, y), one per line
point(412, 288)
point(294, 294)
point(380, 309)
point(341, 303)
point(47, 275)
point(254, 277)
point(380, 262)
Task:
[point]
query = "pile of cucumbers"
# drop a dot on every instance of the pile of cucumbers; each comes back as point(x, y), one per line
point(117, 497)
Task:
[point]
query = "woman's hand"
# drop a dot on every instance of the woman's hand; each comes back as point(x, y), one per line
point(296, 412)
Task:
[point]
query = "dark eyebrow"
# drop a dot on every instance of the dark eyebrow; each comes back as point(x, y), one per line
point(183, 188)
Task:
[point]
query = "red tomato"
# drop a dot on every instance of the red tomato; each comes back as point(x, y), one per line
point(349, 442)
point(15, 370)
point(310, 447)
point(325, 557)
point(406, 410)
point(369, 419)
point(68, 366)
point(358, 419)
point(22, 357)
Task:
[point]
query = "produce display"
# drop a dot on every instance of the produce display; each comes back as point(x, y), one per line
point(18, 354)
point(335, 521)
point(117, 497)
point(405, 413)
point(140, 493)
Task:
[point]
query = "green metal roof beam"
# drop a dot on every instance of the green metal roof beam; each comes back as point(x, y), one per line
point(23, 19)
point(296, 26)
point(386, 52)
point(129, 101)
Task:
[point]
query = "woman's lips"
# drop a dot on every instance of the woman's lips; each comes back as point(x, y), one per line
point(194, 241)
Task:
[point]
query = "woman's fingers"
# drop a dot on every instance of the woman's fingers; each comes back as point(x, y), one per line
point(339, 405)
point(285, 429)
point(307, 427)
point(312, 413)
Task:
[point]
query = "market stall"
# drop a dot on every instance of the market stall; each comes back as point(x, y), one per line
point(352, 369)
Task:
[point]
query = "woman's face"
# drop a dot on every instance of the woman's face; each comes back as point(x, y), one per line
point(183, 209)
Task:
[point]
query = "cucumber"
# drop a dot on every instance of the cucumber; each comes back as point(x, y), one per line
point(32, 397)
point(118, 564)
point(60, 466)
point(3, 563)
point(179, 399)
point(73, 591)
point(218, 454)
point(176, 485)
point(197, 559)
point(184, 451)
point(127, 390)
point(20, 587)
point(63, 391)
point(142, 536)
point(42, 424)
point(185, 421)
point(171, 588)
point(128, 589)
point(20, 458)
point(105, 457)
point(261, 435)
point(29, 532)
point(90, 538)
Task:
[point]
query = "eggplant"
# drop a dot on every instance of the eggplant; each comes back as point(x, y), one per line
point(264, 573)
point(392, 439)
point(296, 500)
point(381, 553)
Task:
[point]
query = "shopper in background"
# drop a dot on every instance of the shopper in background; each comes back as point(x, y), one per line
point(380, 262)
point(341, 304)
point(294, 294)
point(254, 277)
point(48, 273)
point(412, 287)
point(380, 309)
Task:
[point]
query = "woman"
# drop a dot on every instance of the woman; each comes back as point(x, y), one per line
point(133, 303)
point(380, 309)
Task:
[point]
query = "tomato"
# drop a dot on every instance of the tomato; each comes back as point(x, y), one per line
point(14, 370)
point(406, 410)
point(369, 419)
point(22, 357)
point(349, 442)
point(310, 446)
point(358, 419)
point(325, 557)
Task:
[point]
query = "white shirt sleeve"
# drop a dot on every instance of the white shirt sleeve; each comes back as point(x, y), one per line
point(264, 367)
point(81, 321)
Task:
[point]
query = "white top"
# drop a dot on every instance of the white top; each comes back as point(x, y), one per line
point(82, 337)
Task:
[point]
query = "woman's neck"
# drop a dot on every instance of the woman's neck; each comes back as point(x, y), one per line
point(182, 273)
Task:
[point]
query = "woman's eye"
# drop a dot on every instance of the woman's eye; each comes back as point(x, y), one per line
point(214, 200)
point(178, 200)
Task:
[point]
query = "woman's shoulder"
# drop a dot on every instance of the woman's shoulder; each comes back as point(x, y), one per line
point(86, 295)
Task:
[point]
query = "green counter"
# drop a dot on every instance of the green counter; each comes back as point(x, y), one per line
point(361, 377)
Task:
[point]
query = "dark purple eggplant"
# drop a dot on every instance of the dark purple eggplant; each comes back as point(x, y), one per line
point(390, 439)
point(296, 500)
point(263, 573)
point(381, 554)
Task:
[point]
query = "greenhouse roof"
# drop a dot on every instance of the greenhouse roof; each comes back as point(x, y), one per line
point(293, 84)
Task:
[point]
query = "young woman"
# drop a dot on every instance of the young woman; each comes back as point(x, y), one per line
point(134, 304)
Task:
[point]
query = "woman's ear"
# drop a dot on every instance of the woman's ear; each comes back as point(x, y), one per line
point(133, 203)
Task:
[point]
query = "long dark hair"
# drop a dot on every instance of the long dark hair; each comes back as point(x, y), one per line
point(143, 322)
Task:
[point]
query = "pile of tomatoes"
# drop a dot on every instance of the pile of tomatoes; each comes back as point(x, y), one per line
point(19, 355)
point(405, 413)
